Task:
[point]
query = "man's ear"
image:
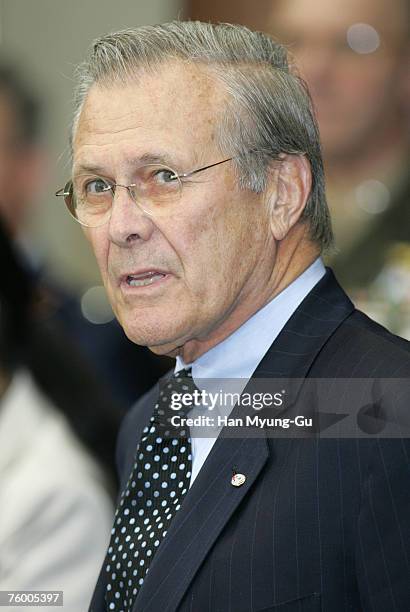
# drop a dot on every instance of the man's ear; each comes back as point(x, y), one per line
point(293, 179)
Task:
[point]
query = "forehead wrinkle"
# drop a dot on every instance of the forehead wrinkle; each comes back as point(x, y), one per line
point(130, 162)
point(98, 126)
point(163, 90)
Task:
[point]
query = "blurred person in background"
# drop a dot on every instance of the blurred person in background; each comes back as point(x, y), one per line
point(354, 56)
point(125, 370)
point(56, 449)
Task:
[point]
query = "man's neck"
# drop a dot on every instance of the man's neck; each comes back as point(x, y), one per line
point(294, 256)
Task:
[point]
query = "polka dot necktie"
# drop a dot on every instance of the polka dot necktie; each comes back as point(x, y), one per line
point(155, 490)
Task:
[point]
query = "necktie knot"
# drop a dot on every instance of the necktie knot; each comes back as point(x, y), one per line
point(175, 397)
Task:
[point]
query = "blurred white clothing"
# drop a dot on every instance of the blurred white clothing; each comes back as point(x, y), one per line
point(55, 513)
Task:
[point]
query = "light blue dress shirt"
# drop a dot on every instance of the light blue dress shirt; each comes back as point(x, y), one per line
point(238, 356)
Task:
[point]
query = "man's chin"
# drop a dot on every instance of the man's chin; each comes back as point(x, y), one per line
point(168, 350)
point(160, 342)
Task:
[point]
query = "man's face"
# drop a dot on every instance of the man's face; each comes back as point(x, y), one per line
point(213, 255)
point(355, 94)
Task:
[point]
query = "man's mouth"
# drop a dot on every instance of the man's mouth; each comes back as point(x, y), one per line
point(144, 278)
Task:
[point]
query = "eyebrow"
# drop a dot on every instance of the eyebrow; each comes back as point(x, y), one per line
point(147, 158)
point(80, 168)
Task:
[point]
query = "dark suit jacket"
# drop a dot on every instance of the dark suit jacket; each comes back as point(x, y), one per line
point(320, 524)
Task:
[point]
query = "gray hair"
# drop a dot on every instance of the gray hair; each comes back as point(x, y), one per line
point(269, 110)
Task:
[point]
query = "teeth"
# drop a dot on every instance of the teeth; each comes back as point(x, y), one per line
point(142, 282)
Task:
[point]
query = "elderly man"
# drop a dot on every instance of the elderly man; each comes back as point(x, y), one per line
point(197, 174)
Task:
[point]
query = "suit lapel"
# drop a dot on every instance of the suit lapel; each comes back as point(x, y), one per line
point(294, 351)
point(212, 499)
point(314, 321)
point(205, 511)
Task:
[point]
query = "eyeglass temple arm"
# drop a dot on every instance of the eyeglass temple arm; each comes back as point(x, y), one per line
point(62, 192)
point(187, 174)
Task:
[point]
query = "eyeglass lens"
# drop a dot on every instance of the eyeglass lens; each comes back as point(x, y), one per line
point(89, 198)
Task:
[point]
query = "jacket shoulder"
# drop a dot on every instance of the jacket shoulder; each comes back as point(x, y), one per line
point(360, 347)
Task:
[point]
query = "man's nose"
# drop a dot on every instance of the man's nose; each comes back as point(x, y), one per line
point(128, 222)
